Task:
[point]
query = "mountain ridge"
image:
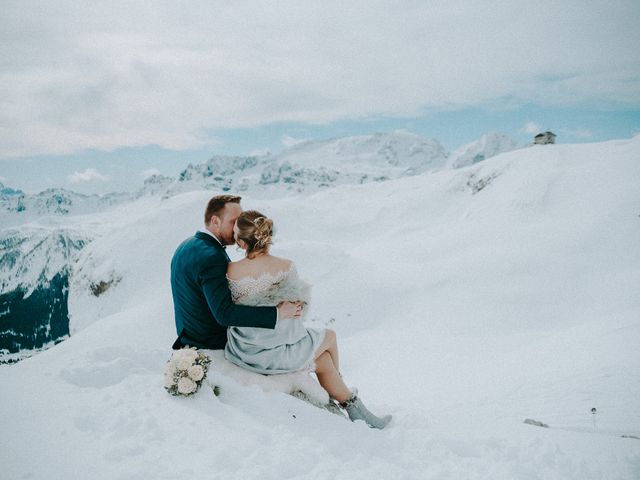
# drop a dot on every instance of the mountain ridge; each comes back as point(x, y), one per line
point(304, 167)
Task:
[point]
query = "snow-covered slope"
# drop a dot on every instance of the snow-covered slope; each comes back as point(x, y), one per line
point(34, 269)
point(465, 301)
point(303, 168)
point(36, 260)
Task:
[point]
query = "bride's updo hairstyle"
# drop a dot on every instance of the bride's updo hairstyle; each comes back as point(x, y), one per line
point(256, 230)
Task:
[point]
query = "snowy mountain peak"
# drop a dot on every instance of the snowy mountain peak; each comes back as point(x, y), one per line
point(34, 255)
point(487, 146)
point(17, 207)
point(155, 184)
point(312, 165)
point(218, 166)
point(400, 149)
point(6, 192)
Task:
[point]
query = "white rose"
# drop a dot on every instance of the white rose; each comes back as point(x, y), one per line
point(173, 360)
point(196, 372)
point(168, 381)
point(184, 364)
point(170, 369)
point(188, 354)
point(186, 386)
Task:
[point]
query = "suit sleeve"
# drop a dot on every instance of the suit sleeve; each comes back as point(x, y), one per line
point(216, 291)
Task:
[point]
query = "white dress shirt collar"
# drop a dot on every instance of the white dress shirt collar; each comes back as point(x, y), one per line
point(204, 230)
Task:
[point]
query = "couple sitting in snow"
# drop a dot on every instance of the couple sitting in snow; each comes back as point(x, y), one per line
point(252, 308)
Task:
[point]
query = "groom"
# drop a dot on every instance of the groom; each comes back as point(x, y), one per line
point(201, 297)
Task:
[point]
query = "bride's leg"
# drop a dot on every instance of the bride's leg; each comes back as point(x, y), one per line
point(330, 345)
point(330, 378)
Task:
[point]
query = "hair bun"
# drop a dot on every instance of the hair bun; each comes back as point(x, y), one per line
point(263, 231)
point(256, 230)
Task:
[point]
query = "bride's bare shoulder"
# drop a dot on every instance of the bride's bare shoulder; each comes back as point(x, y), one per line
point(282, 264)
point(257, 267)
point(237, 269)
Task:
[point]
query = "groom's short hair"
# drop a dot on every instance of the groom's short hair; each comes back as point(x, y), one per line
point(217, 204)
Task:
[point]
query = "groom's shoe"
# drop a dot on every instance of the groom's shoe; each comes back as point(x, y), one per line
point(357, 411)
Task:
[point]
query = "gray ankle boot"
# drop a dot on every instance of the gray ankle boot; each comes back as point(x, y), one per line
point(357, 411)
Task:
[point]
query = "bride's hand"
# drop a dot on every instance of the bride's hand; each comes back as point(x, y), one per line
point(289, 310)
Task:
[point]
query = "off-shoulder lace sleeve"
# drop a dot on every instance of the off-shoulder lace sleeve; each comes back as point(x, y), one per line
point(247, 290)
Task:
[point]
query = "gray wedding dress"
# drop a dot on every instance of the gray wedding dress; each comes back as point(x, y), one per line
point(290, 346)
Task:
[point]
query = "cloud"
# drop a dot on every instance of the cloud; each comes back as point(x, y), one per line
point(532, 128)
point(74, 78)
point(89, 175)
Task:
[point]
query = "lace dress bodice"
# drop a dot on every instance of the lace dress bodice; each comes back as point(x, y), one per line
point(255, 290)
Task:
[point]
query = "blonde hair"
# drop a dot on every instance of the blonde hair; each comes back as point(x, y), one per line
point(256, 230)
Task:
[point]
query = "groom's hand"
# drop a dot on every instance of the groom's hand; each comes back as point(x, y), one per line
point(289, 310)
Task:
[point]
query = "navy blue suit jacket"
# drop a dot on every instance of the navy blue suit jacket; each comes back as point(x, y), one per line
point(201, 297)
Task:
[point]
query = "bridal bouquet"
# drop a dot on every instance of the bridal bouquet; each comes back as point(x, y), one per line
point(185, 371)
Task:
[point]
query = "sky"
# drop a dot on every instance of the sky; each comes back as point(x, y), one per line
point(94, 96)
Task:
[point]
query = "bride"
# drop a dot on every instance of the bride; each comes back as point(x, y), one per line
point(262, 279)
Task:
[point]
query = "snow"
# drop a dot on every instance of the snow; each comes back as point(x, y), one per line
point(465, 302)
point(487, 146)
point(399, 150)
